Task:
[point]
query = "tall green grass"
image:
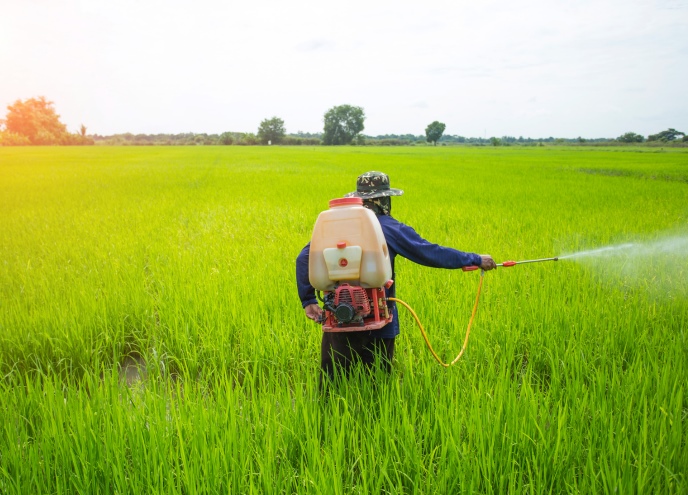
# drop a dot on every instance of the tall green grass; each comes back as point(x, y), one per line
point(181, 260)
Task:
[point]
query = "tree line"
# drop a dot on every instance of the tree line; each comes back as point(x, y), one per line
point(35, 122)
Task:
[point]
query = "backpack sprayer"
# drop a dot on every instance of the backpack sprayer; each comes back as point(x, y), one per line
point(349, 263)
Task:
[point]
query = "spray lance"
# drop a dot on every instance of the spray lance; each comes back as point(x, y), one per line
point(505, 264)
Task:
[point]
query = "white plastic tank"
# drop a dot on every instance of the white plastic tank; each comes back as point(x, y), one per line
point(348, 246)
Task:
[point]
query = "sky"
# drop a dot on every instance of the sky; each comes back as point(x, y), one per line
point(590, 68)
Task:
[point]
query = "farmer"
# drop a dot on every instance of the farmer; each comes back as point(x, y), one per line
point(339, 350)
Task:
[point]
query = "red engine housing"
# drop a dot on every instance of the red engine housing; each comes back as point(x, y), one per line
point(363, 309)
point(355, 296)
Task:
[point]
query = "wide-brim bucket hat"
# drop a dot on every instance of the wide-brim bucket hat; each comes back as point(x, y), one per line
point(373, 185)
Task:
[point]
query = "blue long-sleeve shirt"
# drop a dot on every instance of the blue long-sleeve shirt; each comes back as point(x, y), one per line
point(402, 240)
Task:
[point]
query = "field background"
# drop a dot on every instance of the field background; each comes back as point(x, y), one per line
point(181, 260)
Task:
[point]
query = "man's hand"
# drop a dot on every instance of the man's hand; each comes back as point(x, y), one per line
point(313, 311)
point(488, 263)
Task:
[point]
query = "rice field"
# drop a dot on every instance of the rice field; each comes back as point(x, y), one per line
point(152, 340)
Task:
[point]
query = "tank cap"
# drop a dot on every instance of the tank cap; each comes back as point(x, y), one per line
point(346, 202)
point(341, 245)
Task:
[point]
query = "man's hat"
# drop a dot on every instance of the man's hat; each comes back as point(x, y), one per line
point(373, 185)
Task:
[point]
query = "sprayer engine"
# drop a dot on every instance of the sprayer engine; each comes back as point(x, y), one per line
point(350, 303)
point(352, 308)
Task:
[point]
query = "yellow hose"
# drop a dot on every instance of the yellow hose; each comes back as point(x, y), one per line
point(468, 330)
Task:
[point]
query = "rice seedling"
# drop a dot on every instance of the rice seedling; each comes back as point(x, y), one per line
point(151, 338)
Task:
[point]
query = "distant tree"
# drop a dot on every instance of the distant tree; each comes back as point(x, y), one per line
point(668, 135)
point(434, 131)
point(630, 137)
point(247, 139)
point(36, 120)
point(292, 141)
point(226, 138)
point(495, 141)
point(271, 130)
point(343, 124)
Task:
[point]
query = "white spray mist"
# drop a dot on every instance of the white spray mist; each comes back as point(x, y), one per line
point(605, 251)
point(658, 267)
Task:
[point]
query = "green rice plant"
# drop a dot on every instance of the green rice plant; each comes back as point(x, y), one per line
point(151, 339)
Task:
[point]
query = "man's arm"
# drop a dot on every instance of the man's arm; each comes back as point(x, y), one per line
point(406, 242)
point(306, 290)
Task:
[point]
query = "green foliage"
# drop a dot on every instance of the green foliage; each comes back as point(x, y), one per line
point(630, 137)
point(575, 378)
point(434, 131)
point(271, 130)
point(300, 141)
point(343, 124)
point(35, 119)
point(248, 139)
point(78, 140)
point(8, 138)
point(180, 261)
point(191, 139)
point(665, 136)
point(495, 141)
point(388, 142)
point(226, 139)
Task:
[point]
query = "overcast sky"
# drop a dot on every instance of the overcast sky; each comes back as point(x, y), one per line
point(590, 68)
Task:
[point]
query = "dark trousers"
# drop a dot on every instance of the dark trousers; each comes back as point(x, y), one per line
point(340, 350)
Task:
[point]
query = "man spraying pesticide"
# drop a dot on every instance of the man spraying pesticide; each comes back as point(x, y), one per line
point(350, 263)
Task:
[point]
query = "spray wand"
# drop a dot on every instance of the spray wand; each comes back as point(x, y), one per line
point(507, 264)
